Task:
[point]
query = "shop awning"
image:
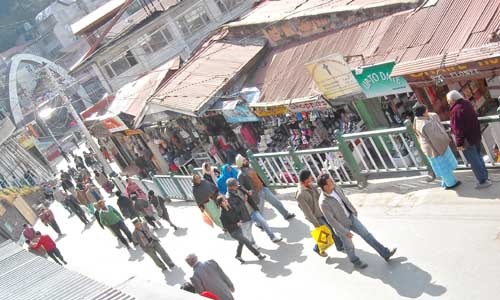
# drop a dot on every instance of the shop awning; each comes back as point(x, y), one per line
point(194, 88)
point(224, 105)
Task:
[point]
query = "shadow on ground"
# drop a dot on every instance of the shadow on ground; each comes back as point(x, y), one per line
point(407, 279)
point(278, 260)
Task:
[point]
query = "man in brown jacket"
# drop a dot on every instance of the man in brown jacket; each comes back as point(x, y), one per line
point(307, 196)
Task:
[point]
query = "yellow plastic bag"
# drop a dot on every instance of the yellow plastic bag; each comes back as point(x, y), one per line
point(323, 237)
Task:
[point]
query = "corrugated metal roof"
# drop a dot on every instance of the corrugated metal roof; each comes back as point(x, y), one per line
point(209, 70)
point(448, 26)
point(98, 16)
point(25, 276)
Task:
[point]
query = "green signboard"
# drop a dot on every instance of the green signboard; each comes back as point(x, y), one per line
point(375, 81)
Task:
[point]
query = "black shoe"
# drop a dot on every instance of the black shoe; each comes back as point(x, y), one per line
point(172, 266)
point(175, 227)
point(391, 254)
point(260, 227)
point(261, 257)
point(452, 187)
point(240, 259)
point(164, 269)
point(289, 216)
point(360, 265)
point(64, 262)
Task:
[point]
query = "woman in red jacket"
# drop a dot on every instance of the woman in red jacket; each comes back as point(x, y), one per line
point(49, 245)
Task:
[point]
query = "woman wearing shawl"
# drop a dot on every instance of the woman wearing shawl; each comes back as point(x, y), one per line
point(435, 142)
point(205, 194)
point(227, 172)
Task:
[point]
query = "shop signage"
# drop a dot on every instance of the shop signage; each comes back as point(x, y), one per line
point(133, 131)
point(333, 77)
point(375, 81)
point(240, 114)
point(459, 71)
point(271, 111)
point(27, 142)
point(318, 104)
point(114, 124)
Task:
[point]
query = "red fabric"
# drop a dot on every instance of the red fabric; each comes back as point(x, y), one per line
point(29, 233)
point(46, 242)
point(209, 295)
point(47, 217)
point(464, 123)
point(132, 187)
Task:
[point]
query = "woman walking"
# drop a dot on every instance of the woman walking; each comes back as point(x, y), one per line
point(435, 142)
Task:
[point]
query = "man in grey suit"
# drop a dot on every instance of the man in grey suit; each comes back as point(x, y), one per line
point(208, 276)
point(343, 217)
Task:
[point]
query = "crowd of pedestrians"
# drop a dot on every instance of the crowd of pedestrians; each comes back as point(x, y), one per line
point(233, 198)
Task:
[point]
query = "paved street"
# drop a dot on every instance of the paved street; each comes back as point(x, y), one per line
point(448, 248)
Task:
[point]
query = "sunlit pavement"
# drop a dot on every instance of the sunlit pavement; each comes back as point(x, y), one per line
point(448, 248)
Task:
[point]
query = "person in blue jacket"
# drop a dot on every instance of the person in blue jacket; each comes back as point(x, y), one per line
point(226, 172)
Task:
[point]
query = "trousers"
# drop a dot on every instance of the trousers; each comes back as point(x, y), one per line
point(120, 227)
point(55, 254)
point(473, 155)
point(155, 250)
point(242, 240)
point(267, 195)
point(55, 226)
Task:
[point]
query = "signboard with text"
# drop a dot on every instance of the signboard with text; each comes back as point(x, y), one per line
point(333, 77)
point(375, 81)
point(317, 104)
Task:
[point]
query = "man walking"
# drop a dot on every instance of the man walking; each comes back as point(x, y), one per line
point(159, 204)
point(250, 180)
point(150, 244)
point(343, 217)
point(47, 218)
point(237, 194)
point(72, 203)
point(467, 130)
point(126, 206)
point(49, 245)
point(205, 193)
point(112, 219)
point(307, 196)
point(208, 276)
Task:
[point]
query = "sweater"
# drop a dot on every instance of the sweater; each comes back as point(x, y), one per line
point(308, 200)
point(203, 192)
point(110, 217)
point(431, 134)
point(46, 242)
point(464, 124)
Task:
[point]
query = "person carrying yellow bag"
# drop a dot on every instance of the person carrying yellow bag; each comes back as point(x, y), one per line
point(323, 237)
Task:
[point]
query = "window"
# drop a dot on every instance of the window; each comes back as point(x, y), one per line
point(227, 5)
point(193, 21)
point(120, 64)
point(156, 40)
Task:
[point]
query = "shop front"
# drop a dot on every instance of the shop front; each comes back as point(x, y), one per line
point(472, 72)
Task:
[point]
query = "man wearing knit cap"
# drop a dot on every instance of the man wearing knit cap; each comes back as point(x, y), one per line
point(467, 130)
point(250, 180)
point(150, 244)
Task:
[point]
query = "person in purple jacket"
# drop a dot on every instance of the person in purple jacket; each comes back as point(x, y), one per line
point(466, 128)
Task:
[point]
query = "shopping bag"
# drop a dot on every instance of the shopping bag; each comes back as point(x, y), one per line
point(323, 237)
point(207, 219)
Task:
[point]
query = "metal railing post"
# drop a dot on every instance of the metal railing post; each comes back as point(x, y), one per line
point(256, 166)
point(160, 187)
point(350, 160)
point(413, 136)
point(178, 185)
point(297, 163)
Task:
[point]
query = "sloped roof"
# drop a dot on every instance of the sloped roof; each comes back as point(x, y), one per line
point(448, 26)
point(209, 70)
point(25, 276)
point(97, 17)
point(271, 11)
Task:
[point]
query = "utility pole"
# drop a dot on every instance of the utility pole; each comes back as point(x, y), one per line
point(67, 103)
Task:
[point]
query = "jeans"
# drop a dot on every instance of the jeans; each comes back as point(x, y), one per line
point(361, 230)
point(267, 195)
point(242, 240)
point(120, 227)
point(155, 250)
point(473, 156)
point(259, 219)
point(55, 254)
point(246, 228)
point(338, 241)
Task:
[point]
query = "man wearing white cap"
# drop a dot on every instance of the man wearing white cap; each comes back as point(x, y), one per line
point(467, 130)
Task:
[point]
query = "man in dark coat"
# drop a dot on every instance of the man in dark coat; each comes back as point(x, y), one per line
point(467, 130)
point(72, 203)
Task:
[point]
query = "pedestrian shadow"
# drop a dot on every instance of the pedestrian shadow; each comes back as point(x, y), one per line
point(225, 236)
point(180, 231)
point(60, 237)
point(136, 254)
point(467, 188)
point(269, 213)
point(161, 232)
point(295, 232)
point(276, 265)
point(407, 279)
point(88, 225)
point(175, 276)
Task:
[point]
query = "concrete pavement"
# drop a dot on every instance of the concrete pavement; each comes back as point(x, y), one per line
point(448, 248)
